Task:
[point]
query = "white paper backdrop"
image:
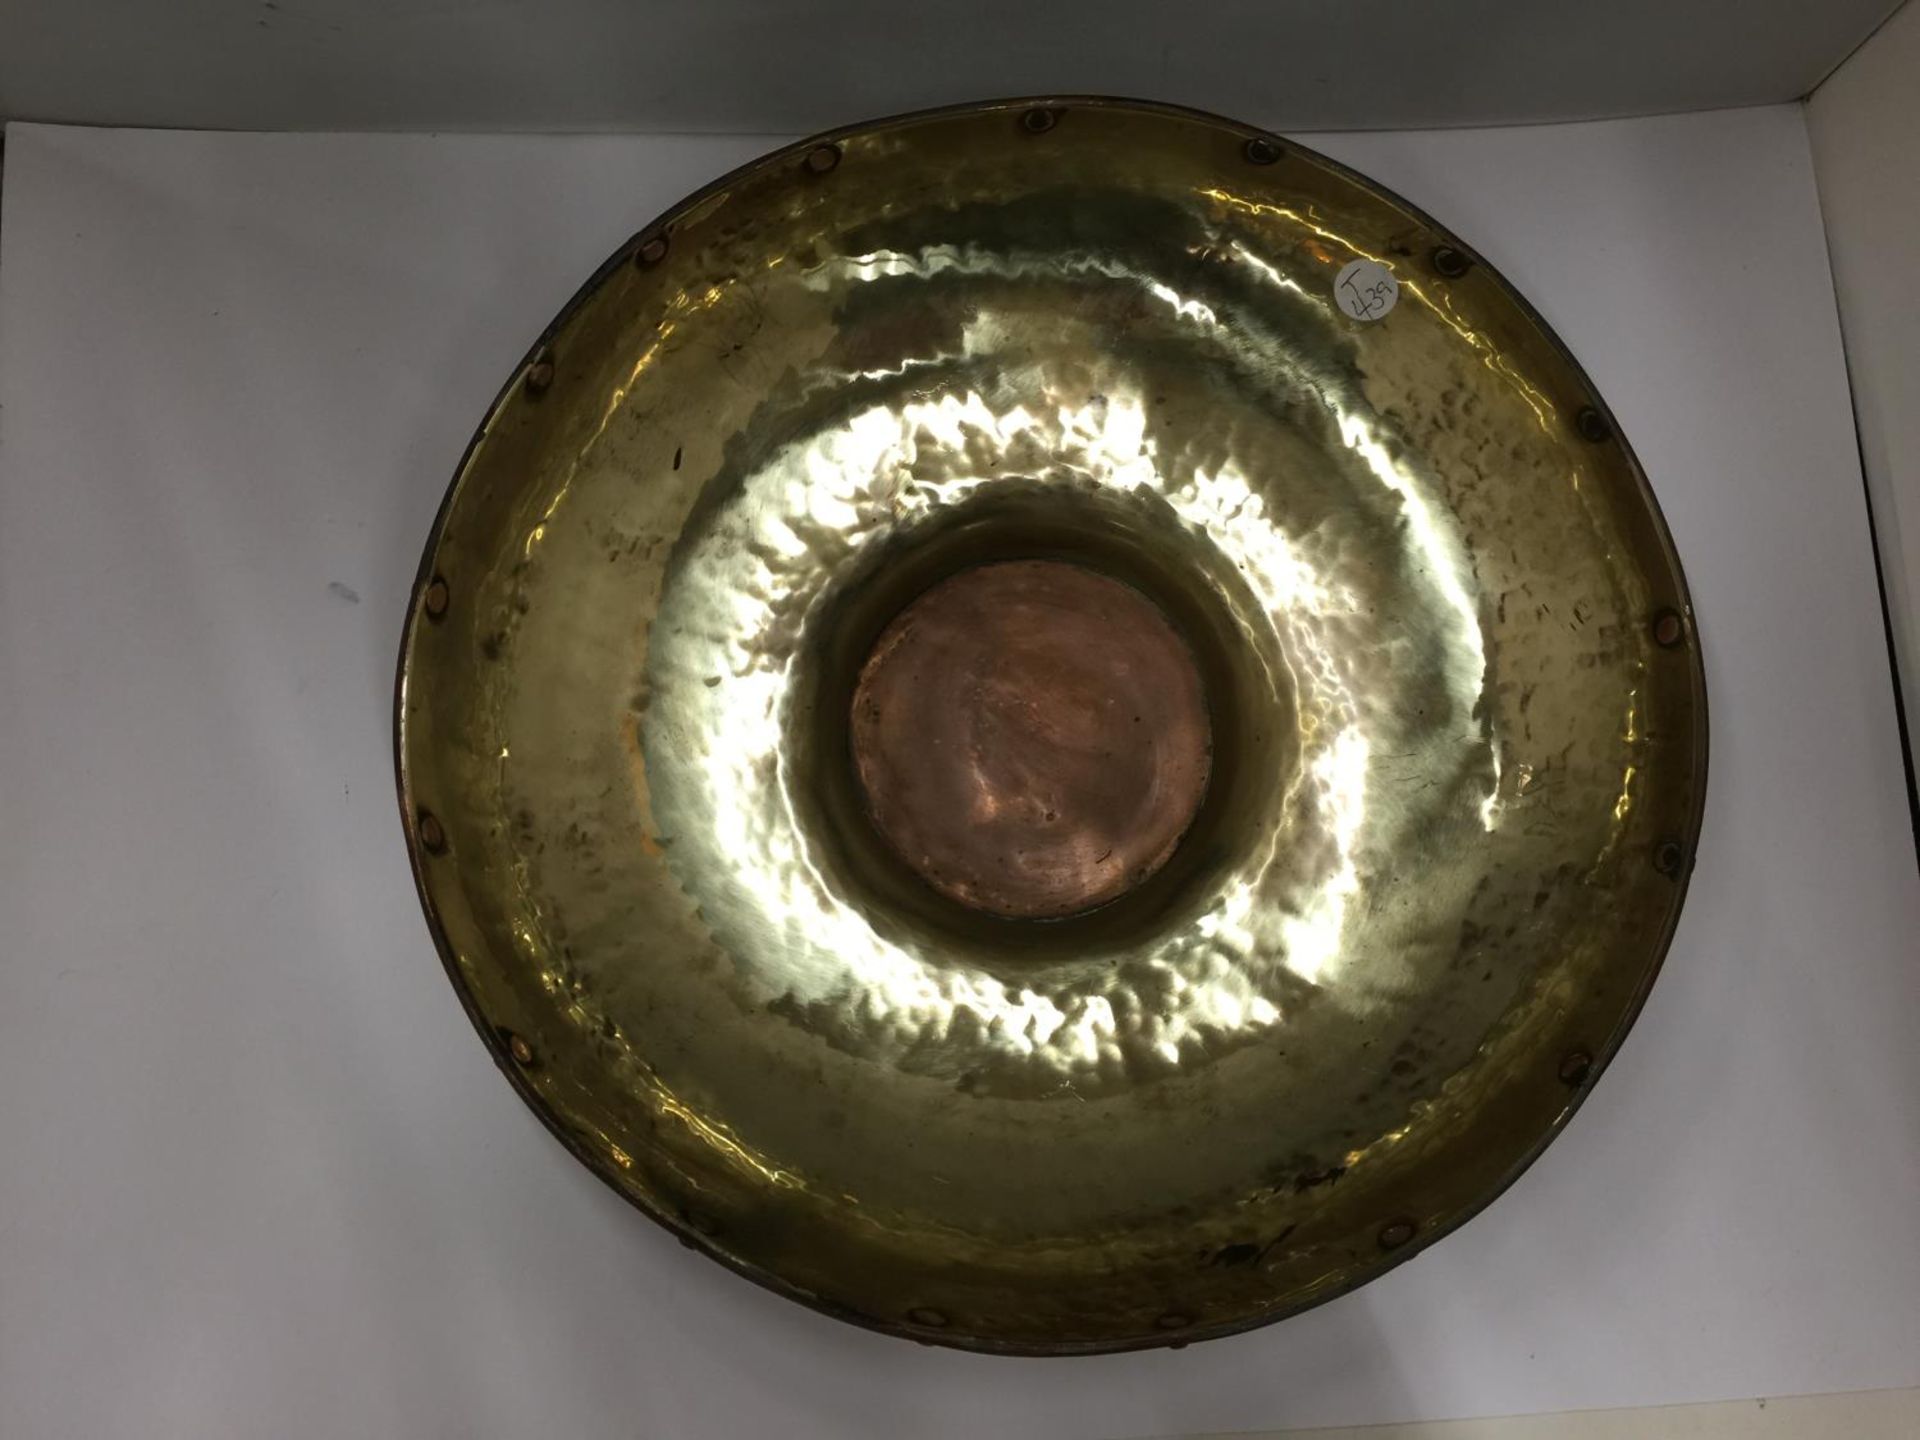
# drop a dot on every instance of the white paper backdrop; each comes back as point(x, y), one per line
point(257, 1176)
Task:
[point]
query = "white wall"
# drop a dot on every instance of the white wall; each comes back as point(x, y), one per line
point(1865, 126)
point(773, 66)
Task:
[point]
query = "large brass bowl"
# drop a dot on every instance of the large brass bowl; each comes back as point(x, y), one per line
point(1393, 908)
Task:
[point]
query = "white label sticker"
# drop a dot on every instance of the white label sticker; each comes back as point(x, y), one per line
point(1365, 289)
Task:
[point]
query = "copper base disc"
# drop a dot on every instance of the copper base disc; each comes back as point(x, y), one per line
point(1032, 738)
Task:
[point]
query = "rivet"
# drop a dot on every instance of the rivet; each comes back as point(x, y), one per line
point(1174, 1320)
point(540, 374)
point(1575, 1067)
point(1668, 629)
point(1592, 425)
point(823, 158)
point(433, 839)
point(1261, 151)
point(932, 1319)
point(652, 251)
point(521, 1051)
point(1450, 262)
point(1668, 857)
point(1396, 1233)
point(434, 602)
point(1038, 120)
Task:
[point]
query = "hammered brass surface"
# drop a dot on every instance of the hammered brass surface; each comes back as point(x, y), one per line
point(1447, 748)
